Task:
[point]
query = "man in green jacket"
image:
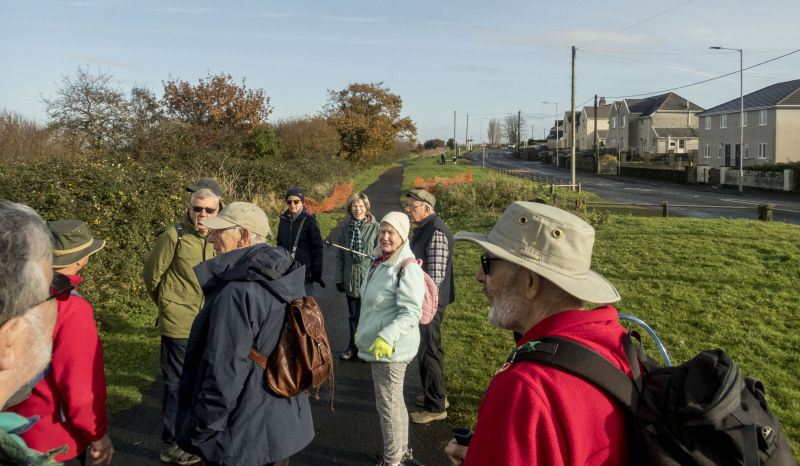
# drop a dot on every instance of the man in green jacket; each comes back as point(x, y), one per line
point(172, 284)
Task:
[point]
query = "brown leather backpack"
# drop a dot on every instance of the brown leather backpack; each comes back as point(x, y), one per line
point(302, 358)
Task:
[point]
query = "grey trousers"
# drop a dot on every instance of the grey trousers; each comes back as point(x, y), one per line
point(387, 377)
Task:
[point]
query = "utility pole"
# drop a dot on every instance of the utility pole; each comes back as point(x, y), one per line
point(572, 163)
point(466, 136)
point(595, 139)
point(519, 129)
point(455, 144)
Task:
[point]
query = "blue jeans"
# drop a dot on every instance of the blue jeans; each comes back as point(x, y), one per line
point(172, 353)
point(354, 307)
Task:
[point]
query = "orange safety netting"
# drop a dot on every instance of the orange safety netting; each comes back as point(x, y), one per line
point(432, 184)
point(340, 194)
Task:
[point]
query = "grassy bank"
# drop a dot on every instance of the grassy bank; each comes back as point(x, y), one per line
point(700, 284)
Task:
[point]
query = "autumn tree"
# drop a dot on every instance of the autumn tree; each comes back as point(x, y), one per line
point(493, 132)
point(433, 143)
point(308, 137)
point(88, 110)
point(216, 101)
point(367, 117)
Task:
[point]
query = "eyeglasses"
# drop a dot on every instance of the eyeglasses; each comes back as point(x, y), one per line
point(209, 210)
point(60, 285)
point(412, 207)
point(219, 232)
point(485, 261)
point(293, 201)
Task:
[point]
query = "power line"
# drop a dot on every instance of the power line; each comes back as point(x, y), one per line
point(705, 80)
point(634, 25)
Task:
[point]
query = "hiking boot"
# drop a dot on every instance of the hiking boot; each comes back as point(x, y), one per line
point(175, 455)
point(349, 354)
point(424, 417)
point(421, 402)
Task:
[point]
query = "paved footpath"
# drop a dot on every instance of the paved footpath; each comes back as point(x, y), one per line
point(348, 436)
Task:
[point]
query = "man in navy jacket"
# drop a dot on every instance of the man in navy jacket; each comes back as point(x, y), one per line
point(227, 415)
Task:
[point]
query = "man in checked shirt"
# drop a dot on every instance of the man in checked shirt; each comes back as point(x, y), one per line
point(433, 243)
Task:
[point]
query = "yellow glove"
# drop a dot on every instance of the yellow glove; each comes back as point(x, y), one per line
point(380, 348)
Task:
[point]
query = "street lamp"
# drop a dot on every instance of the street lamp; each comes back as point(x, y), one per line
point(556, 104)
point(483, 144)
point(741, 115)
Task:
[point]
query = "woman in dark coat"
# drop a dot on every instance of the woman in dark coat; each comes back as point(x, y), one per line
point(299, 227)
point(361, 235)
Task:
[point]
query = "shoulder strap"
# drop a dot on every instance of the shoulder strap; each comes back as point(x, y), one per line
point(403, 265)
point(297, 238)
point(179, 230)
point(581, 361)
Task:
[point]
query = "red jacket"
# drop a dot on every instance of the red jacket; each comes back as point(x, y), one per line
point(71, 399)
point(534, 414)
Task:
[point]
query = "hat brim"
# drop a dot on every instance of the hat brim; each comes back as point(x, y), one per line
point(217, 223)
point(71, 258)
point(593, 287)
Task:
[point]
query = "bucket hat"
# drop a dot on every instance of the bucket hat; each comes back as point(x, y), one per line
point(72, 241)
point(241, 214)
point(550, 242)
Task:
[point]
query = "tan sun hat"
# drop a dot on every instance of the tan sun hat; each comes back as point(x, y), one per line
point(550, 242)
point(240, 214)
point(72, 241)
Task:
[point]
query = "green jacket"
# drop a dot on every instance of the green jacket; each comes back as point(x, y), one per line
point(13, 450)
point(350, 273)
point(170, 279)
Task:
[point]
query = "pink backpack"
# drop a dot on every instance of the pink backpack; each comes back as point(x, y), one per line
point(431, 301)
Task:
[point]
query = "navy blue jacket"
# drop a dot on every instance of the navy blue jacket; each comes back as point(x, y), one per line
point(309, 246)
point(226, 412)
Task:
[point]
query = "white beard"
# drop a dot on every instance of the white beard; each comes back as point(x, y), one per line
point(508, 311)
point(40, 343)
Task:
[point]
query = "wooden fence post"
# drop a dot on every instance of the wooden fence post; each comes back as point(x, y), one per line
point(665, 209)
point(552, 189)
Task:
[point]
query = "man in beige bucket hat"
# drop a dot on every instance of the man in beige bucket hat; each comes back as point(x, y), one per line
point(535, 271)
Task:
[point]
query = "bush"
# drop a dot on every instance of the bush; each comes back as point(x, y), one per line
point(492, 195)
point(308, 137)
point(264, 144)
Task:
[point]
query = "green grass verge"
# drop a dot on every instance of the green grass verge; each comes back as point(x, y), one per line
point(700, 284)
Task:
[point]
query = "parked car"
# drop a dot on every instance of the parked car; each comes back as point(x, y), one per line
point(512, 146)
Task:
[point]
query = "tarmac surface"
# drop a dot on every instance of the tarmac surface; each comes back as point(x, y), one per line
point(348, 436)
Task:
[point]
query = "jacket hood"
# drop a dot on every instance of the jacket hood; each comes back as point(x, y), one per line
point(272, 268)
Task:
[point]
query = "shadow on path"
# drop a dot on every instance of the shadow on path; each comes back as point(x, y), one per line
point(351, 434)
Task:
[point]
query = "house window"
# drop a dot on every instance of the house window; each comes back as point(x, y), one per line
point(613, 122)
point(641, 123)
point(744, 119)
point(613, 142)
point(624, 120)
point(708, 122)
point(746, 150)
point(622, 143)
point(762, 118)
point(762, 150)
point(723, 121)
point(681, 143)
point(707, 152)
point(671, 143)
point(719, 151)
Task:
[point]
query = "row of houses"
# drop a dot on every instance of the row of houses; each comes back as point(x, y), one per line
point(670, 123)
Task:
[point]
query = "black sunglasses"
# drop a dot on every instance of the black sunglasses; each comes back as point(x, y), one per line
point(293, 201)
point(485, 261)
point(60, 285)
point(209, 210)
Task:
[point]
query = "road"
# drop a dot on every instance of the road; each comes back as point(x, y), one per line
point(710, 201)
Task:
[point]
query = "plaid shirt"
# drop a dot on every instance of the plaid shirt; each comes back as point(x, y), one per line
point(437, 251)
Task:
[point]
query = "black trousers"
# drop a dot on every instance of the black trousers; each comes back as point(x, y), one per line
point(173, 351)
point(431, 363)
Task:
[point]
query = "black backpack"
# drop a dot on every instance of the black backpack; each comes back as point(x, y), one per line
point(698, 413)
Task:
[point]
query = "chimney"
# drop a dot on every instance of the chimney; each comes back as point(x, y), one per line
point(602, 100)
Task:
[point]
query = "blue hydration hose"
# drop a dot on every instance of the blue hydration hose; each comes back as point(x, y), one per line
point(652, 334)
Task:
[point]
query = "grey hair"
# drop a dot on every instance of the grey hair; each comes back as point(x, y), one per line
point(255, 238)
point(24, 241)
point(204, 193)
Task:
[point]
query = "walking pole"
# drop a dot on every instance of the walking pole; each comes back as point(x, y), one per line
point(328, 243)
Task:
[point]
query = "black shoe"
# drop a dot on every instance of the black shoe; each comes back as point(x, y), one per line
point(349, 354)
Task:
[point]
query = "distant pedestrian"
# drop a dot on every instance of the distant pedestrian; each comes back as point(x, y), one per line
point(443, 159)
point(71, 398)
point(433, 243)
point(298, 233)
point(454, 158)
point(361, 235)
point(388, 331)
point(172, 284)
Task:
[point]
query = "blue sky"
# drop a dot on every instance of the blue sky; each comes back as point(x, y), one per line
point(486, 59)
